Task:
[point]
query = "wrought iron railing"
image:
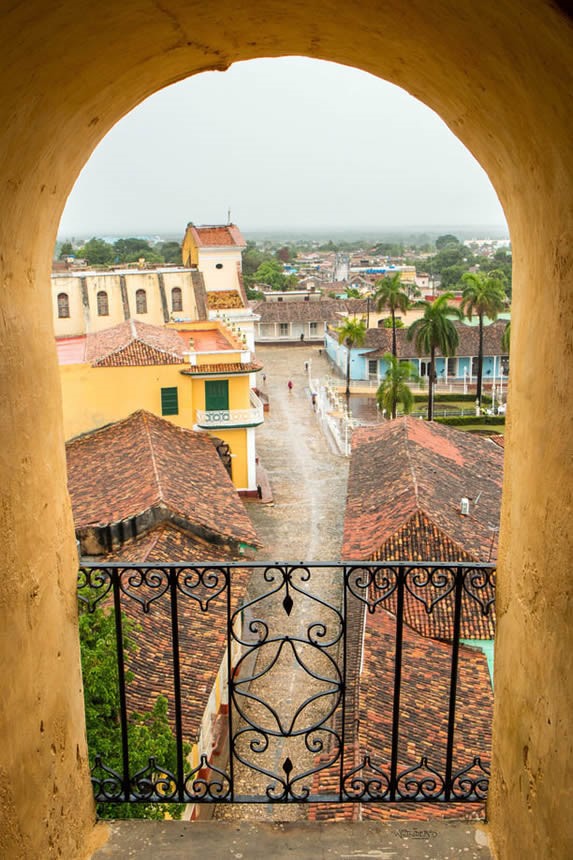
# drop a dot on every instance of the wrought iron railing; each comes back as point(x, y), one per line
point(319, 682)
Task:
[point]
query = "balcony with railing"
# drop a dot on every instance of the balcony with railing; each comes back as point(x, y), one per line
point(210, 419)
point(328, 684)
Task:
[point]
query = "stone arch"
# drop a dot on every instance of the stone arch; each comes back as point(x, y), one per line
point(500, 75)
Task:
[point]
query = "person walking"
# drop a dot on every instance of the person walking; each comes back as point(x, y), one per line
point(290, 386)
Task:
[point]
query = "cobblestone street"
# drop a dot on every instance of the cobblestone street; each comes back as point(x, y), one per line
point(304, 523)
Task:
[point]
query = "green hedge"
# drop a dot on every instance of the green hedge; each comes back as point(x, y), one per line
point(472, 419)
point(451, 398)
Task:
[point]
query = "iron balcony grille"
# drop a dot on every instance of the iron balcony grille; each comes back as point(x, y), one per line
point(319, 683)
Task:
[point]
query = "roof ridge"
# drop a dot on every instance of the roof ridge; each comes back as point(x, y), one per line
point(411, 463)
point(145, 418)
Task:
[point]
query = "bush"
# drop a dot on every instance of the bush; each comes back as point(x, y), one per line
point(466, 420)
point(451, 397)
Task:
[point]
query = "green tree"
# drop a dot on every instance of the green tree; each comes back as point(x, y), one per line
point(270, 272)
point(390, 293)
point(97, 252)
point(67, 250)
point(149, 734)
point(483, 295)
point(394, 388)
point(506, 338)
point(435, 330)
point(448, 239)
point(171, 252)
point(352, 332)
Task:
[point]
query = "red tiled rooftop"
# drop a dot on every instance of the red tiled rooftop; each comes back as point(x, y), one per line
point(144, 464)
point(134, 344)
point(217, 236)
point(407, 466)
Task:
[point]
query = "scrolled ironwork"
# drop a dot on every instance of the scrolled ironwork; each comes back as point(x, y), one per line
point(480, 586)
point(203, 584)
point(430, 585)
point(144, 585)
point(365, 782)
point(472, 782)
point(291, 709)
point(94, 584)
point(153, 783)
point(198, 786)
point(420, 782)
point(107, 783)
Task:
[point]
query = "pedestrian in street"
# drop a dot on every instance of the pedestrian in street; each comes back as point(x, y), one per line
point(290, 386)
point(313, 398)
point(306, 367)
point(264, 378)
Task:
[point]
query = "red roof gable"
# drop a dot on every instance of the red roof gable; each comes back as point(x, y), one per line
point(217, 236)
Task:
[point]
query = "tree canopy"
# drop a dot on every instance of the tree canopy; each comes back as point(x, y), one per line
point(390, 293)
point(149, 734)
point(352, 332)
point(394, 388)
point(435, 330)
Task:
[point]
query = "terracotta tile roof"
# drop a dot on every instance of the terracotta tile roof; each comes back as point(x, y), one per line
point(405, 484)
point(380, 340)
point(217, 236)
point(425, 680)
point(168, 543)
point(222, 299)
point(224, 369)
point(71, 350)
point(324, 310)
point(147, 467)
point(202, 634)
point(133, 344)
point(408, 466)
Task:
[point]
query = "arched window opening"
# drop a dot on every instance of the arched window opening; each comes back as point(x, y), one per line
point(102, 304)
point(176, 299)
point(141, 302)
point(63, 305)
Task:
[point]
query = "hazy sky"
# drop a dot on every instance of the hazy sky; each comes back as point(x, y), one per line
point(290, 142)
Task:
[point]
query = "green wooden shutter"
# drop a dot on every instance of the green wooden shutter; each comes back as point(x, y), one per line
point(169, 401)
point(216, 395)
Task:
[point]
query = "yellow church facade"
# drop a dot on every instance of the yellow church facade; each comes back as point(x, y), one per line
point(196, 375)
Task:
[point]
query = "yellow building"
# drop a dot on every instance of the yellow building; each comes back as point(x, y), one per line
point(196, 374)
point(85, 301)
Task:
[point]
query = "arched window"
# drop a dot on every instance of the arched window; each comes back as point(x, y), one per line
point(176, 299)
point(140, 302)
point(102, 304)
point(63, 305)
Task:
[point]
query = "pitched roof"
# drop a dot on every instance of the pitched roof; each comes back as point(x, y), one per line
point(406, 467)
point(133, 344)
point(217, 236)
point(145, 464)
point(380, 340)
point(202, 630)
point(406, 480)
point(424, 700)
point(222, 369)
point(323, 310)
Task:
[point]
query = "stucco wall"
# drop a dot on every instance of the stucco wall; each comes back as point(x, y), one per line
point(500, 74)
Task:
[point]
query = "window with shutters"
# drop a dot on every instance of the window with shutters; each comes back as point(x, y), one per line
point(102, 304)
point(176, 299)
point(140, 301)
point(169, 401)
point(63, 305)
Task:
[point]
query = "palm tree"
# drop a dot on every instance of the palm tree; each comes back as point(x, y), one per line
point(506, 338)
point(390, 293)
point(484, 295)
point(351, 333)
point(394, 387)
point(435, 330)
